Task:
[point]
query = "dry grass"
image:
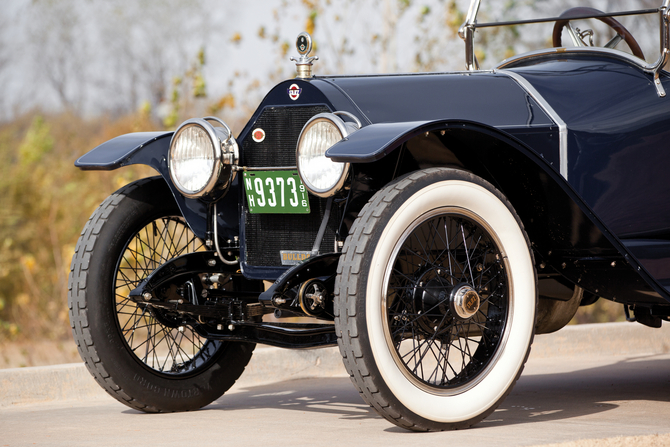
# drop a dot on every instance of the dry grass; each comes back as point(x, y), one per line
point(26, 353)
point(44, 203)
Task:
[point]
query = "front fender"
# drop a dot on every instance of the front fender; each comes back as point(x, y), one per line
point(147, 148)
point(151, 149)
point(567, 235)
point(375, 141)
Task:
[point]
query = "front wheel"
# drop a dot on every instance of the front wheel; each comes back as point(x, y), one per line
point(148, 358)
point(435, 300)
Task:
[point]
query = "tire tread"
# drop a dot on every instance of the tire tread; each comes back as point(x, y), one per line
point(77, 302)
point(77, 298)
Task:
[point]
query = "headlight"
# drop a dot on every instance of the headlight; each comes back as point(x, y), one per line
point(322, 176)
point(201, 158)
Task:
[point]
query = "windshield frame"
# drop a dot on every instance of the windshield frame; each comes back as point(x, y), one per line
point(467, 33)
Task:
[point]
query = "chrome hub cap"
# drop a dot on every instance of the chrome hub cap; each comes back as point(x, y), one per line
point(464, 301)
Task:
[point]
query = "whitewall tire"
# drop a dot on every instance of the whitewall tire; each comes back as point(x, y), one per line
point(435, 300)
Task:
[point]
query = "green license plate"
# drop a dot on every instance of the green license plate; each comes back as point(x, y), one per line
point(275, 192)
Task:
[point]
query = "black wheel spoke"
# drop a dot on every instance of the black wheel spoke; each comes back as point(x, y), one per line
point(435, 344)
point(159, 339)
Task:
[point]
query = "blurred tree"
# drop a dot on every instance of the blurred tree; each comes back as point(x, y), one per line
point(60, 53)
point(125, 51)
point(4, 56)
point(144, 45)
point(403, 35)
point(97, 57)
point(187, 90)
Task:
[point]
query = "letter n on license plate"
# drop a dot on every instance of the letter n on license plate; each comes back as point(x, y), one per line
point(275, 192)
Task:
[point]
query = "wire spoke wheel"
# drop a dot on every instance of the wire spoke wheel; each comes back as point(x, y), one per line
point(157, 337)
point(151, 359)
point(442, 254)
point(435, 300)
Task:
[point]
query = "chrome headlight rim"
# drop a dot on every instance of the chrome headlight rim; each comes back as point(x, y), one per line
point(345, 129)
point(225, 156)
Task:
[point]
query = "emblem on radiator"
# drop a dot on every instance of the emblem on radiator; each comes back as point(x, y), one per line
point(258, 135)
point(293, 257)
point(294, 91)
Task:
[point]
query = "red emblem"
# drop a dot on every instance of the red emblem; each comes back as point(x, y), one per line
point(258, 135)
point(294, 91)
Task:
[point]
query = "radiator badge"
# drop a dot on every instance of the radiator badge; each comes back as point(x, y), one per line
point(294, 91)
point(292, 257)
point(258, 135)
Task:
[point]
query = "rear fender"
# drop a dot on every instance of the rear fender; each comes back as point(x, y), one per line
point(151, 149)
point(566, 235)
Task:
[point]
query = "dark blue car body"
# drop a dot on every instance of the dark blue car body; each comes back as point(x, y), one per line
point(610, 205)
point(573, 142)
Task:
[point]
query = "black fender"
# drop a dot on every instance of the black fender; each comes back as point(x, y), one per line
point(373, 142)
point(148, 148)
point(151, 149)
point(566, 235)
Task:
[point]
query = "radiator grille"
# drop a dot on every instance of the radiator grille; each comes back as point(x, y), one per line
point(282, 126)
point(268, 234)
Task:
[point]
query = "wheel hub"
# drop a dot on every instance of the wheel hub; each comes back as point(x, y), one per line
point(464, 301)
point(431, 298)
point(436, 299)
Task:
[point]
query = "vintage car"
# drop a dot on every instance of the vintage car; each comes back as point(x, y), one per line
point(428, 224)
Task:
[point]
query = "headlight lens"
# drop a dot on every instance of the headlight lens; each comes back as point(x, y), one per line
point(192, 159)
point(202, 158)
point(321, 176)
